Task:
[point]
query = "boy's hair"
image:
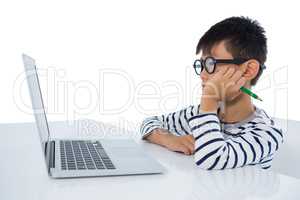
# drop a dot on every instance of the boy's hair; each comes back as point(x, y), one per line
point(244, 38)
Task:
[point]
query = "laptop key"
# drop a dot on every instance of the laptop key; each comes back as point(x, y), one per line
point(84, 155)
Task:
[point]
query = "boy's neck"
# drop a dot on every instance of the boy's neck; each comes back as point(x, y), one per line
point(235, 111)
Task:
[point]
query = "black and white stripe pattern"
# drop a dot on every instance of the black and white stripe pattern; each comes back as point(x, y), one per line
point(175, 122)
point(251, 143)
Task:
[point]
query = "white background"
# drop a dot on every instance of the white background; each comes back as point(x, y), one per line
point(145, 49)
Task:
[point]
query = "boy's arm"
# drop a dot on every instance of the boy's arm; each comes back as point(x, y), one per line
point(254, 145)
point(171, 130)
point(175, 123)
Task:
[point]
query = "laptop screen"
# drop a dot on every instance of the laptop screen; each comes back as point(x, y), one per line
point(37, 101)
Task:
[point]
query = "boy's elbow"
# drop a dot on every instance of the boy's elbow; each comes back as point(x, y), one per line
point(211, 161)
point(203, 164)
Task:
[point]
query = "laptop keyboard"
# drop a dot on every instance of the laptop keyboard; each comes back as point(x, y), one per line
point(84, 155)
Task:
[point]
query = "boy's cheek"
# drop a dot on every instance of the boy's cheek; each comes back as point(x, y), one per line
point(218, 68)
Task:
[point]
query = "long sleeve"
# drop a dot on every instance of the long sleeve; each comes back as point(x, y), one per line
point(255, 144)
point(175, 122)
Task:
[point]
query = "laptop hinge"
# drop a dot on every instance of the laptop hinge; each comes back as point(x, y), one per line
point(52, 155)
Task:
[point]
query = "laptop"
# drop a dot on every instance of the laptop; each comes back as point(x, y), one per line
point(84, 158)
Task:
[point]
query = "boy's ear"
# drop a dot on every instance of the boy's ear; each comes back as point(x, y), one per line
point(250, 68)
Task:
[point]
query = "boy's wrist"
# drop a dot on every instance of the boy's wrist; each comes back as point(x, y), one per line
point(208, 105)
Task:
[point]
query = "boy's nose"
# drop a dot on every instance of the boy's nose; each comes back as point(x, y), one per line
point(204, 76)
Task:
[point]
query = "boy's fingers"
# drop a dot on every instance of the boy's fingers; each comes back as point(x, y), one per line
point(191, 139)
point(241, 82)
point(186, 146)
point(184, 149)
point(223, 70)
point(189, 145)
point(237, 75)
point(229, 72)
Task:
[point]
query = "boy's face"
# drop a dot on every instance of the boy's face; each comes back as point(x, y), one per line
point(218, 51)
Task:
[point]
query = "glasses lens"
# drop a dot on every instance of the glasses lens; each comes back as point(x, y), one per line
point(209, 65)
point(198, 66)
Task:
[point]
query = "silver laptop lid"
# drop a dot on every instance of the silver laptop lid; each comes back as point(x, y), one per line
point(37, 104)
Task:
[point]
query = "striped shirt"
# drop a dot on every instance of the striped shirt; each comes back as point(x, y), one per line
point(221, 145)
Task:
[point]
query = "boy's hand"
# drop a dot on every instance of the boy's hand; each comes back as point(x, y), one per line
point(184, 144)
point(224, 85)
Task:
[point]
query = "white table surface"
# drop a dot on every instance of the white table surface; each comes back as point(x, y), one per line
point(24, 176)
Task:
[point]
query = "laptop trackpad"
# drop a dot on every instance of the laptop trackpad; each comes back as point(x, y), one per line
point(123, 149)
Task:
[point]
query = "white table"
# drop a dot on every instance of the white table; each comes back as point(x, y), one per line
point(23, 172)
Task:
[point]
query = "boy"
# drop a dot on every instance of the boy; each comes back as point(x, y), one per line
point(226, 130)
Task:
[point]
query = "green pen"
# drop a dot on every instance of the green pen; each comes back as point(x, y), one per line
point(247, 91)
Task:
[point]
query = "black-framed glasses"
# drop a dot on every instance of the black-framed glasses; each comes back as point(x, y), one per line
point(209, 64)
